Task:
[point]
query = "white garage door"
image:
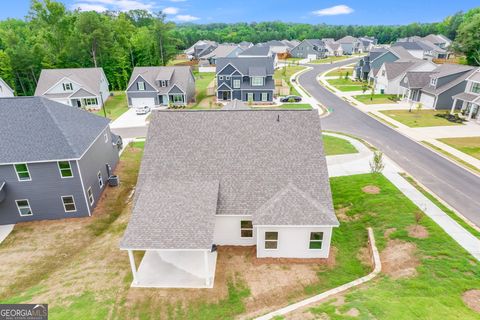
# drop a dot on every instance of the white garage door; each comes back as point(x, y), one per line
point(142, 102)
point(427, 100)
point(312, 57)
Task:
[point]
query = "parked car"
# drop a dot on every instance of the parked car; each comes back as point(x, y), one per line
point(291, 98)
point(142, 110)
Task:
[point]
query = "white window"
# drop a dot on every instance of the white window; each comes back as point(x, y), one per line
point(236, 83)
point(141, 86)
point(22, 172)
point(65, 169)
point(250, 97)
point(257, 81)
point(100, 179)
point(105, 136)
point(220, 78)
point(316, 239)
point(163, 83)
point(271, 240)
point(67, 87)
point(69, 204)
point(246, 228)
point(475, 87)
point(23, 207)
point(90, 196)
point(433, 81)
point(264, 96)
point(90, 101)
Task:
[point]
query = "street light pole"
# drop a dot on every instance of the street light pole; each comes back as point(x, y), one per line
point(103, 105)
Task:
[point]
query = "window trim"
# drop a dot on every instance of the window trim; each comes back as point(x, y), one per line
point(101, 183)
point(73, 202)
point(29, 207)
point(310, 240)
point(60, 169)
point(265, 240)
point(91, 198)
point(143, 85)
point(257, 84)
point(246, 229)
point(264, 94)
point(220, 77)
point(237, 81)
point(28, 170)
point(67, 86)
point(252, 95)
point(227, 78)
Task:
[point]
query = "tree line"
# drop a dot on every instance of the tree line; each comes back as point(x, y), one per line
point(51, 36)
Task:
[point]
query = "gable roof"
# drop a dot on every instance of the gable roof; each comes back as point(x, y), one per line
point(256, 51)
point(253, 154)
point(88, 78)
point(462, 72)
point(416, 79)
point(38, 129)
point(5, 85)
point(178, 75)
point(400, 52)
point(221, 51)
point(246, 64)
point(347, 39)
point(395, 69)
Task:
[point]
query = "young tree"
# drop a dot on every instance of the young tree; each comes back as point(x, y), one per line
point(376, 164)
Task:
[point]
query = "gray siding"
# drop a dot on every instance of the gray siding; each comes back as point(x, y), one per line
point(445, 100)
point(303, 50)
point(43, 192)
point(134, 86)
point(387, 57)
point(95, 160)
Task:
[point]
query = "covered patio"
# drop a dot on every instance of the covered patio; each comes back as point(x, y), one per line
point(172, 223)
point(469, 105)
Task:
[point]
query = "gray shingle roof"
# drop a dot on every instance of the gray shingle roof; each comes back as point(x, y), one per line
point(395, 69)
point(178, 75)
point(475, 76)
point(446, 70)
point(252, 153)
point(247, 63)
point(416, 79)
point(401, 52)
point(89, 78)
point(170, 214)
point(38, 129)
point(408, 45)
point(347, 39)
point(256, 51)
point(221, 51)
point(466, 96)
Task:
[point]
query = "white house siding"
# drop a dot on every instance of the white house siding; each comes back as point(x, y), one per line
point(190, 261)
point(227, 231)
point(293, 242)
point(427, 100)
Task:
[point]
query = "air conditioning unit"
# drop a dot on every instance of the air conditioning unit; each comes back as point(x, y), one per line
point(113, 181)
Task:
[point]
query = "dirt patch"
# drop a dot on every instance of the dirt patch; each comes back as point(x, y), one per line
point(340, 301)
point(343, 216)
point(472, 299)
point(417, 231)
point(388, 232)
point(353, 312)
point(365, 256)
point(371, 189)
point(399, 259)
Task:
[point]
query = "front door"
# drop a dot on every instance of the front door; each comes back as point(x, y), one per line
point(225, 95)
point(79, 104)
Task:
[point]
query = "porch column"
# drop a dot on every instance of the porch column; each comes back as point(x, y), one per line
point(207, 271)
point(132, 265)
point(453, 107)
point(470, 113)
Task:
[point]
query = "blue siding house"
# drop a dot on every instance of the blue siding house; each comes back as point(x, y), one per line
point(245, 78)
point(55, 160)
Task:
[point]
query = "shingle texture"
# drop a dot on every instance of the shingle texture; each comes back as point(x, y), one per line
point(177, 75)
point(254, 154)
point(246, 64)
point(88, 78)
point(172, 214)
point(38, 129)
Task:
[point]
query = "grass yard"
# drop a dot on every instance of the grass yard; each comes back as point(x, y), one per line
point(115, 105)
point(470, 145)
point(202, 80)
point(285, 73)
point(335, 146)
point(330, 59)
point(425, 272)
point(303, 106)
point(415, 119)
point(343, 84)
point(377, 98)
point(340, 72)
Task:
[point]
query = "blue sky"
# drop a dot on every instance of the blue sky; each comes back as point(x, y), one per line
point(306, 11)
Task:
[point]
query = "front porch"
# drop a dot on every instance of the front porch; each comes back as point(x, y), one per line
point(468, 104)
point(174, 269)
point(176, 99)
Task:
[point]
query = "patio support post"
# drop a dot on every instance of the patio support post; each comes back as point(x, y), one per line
point(132, 265)
point(207, 272)
point(470, 113)
point(453, 107)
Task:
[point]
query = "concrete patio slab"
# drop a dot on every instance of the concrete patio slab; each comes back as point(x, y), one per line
point(5, 231)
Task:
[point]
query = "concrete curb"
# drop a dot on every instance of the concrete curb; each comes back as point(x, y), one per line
point(376, 270)
point(322, 110)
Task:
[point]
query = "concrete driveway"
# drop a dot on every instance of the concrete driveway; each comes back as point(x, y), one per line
point(130, 125)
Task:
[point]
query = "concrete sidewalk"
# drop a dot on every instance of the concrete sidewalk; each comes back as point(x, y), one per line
point(344, 165)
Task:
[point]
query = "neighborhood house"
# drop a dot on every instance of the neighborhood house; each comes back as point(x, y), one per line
point(228, 178)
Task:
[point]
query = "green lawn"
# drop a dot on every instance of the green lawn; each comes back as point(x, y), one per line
point(330, 59)
point(295, 106)
point(422, 118)
point(343, 84)
point(377, 98)
point(469, 145)
point(285, 73)
point(340, 72)
point(202, 80)
point(115, 105)
point(335, 146)
point(444, 273)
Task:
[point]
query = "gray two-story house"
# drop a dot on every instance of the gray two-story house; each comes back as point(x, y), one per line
point(309, 49)
point(161, 86)
point(55, 160)
point(246, 79)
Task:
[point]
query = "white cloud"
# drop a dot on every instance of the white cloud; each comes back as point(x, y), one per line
point(186, 18)
point(115, 5)
point(170, 10)
point(333, 11)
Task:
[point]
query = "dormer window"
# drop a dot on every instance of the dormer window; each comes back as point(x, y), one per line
point(475, 87)
point(163, 83)
point(433, 82)
point(67, 87)
point(141, 86)
point(257, 81)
